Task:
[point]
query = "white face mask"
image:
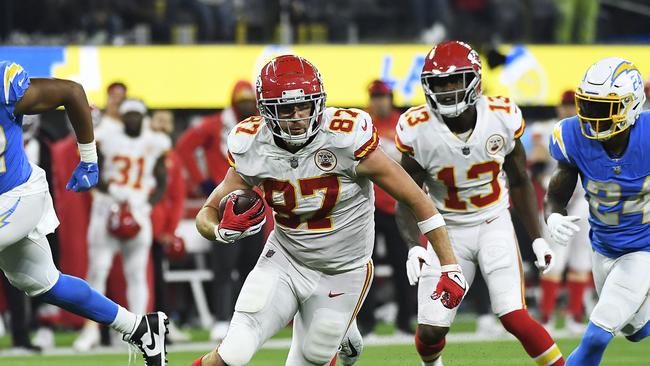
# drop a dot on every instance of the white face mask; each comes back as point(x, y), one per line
point(271, 116)
point(464, 95)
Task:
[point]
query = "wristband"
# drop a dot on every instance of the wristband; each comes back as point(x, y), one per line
point(431, 223)
point(88, 152)
point(450, 268)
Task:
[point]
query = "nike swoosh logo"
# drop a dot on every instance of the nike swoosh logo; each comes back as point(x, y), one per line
point(335, 294)
point(365, 125)
point(152, 348)
point(488, 221)
point(353, 351)
point(228, 235)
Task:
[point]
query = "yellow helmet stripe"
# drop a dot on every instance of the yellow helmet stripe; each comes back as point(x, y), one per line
point(10, 74)
point(622, 68)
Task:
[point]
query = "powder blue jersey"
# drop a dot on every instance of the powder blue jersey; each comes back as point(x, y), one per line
point(14, 166)
point(618, 190)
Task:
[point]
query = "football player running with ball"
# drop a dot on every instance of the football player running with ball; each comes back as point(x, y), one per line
point(315, 166)
point(458, 145)
point(27, 213)
point(607, 145)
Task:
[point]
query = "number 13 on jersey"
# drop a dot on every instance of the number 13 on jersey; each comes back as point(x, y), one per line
point(453, 200)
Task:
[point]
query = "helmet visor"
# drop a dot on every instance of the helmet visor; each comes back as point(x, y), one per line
point(599, 116)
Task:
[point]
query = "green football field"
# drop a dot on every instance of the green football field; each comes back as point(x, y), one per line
point(502, 353)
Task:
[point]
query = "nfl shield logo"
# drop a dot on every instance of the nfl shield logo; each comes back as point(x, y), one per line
point(465, 150)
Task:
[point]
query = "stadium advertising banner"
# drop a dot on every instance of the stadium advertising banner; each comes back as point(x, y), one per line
point(203, 76)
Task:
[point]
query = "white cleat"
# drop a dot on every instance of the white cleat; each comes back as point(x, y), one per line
point(176, 334)
point(351, 346)
point(437, 362)
point(44, 338)
point(574, 327)
point(550, 326)
point(219, 330)
point(149, 337)
point(87, 339)
point(3, 330)
point(488, 325)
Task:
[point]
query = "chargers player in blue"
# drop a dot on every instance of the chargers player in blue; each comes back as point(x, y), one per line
point(27, 214)
point(608, 145)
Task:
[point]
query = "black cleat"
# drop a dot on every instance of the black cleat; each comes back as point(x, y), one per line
point(149, 337)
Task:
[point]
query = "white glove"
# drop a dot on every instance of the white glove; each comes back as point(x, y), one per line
point(544, 254)
point(417, 255)
point(562, 228)
point(228, 236)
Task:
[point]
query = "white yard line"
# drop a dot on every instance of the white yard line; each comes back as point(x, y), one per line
point(372, 340)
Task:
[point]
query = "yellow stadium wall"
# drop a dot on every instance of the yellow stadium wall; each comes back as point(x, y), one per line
point(202, 76)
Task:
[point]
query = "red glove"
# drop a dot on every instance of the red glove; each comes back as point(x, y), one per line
point(451, 286)
point(234, 227)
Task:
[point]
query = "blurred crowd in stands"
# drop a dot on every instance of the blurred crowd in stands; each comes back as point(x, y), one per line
point(118, 22)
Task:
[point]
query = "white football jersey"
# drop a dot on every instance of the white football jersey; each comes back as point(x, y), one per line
point(465, 180)
point(323, 211)
point(128, 162)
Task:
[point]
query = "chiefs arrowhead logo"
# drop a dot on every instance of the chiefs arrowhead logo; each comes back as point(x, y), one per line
point(325, 160)
point(494, 144)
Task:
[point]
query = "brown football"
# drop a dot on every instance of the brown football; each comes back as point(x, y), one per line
point(246, 198)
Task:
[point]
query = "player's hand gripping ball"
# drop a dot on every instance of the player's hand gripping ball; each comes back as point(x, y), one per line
point(241, 214)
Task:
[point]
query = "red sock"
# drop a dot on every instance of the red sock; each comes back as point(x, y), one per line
point(549, 297)
point(428, 352)
point(576, 293)
point(197, 362)
point(536, 341)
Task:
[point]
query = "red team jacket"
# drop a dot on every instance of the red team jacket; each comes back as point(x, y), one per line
point(167, 213)
point(208, 136)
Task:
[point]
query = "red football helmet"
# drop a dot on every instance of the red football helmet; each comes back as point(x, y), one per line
point(288, 80)
point(451, 78)
point(175, 248)
point(121, 223)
